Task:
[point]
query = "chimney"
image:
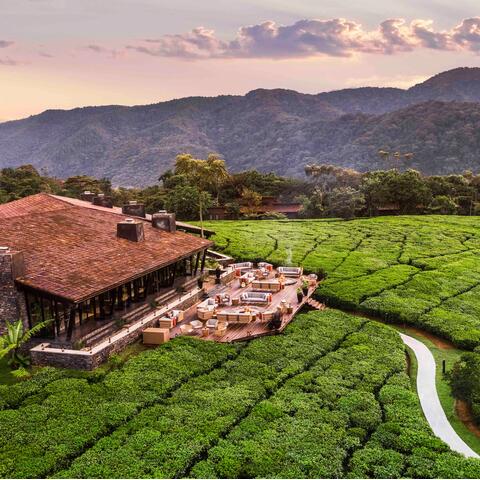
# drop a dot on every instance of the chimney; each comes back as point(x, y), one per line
point(87, 196)
point(164, 221)
point(135, 209)
point(130, 229)
point(101, 200)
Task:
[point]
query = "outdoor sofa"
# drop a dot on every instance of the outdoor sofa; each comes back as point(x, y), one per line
point(241, 266)
point(256, 297)
point(291, 271)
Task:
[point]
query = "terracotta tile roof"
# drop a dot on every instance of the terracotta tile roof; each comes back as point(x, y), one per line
point(71, 249)
point(74, 201)
point(275, 207)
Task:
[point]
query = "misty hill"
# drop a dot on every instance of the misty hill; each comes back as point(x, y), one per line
point(280, 130)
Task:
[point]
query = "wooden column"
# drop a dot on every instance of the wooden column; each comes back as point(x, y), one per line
point(203, 260)
point(197, 261)
point(29, 314)
point(57, 317)
point(101, 300)
point(71, 322)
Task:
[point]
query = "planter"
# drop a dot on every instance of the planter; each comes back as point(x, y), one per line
point(299, 297)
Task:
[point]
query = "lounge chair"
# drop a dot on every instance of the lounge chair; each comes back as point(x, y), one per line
point(186, 329)
point(221, 329)
point(196, 324)
point(212, 323)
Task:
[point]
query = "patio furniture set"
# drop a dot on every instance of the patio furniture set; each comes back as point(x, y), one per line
point(253, 305)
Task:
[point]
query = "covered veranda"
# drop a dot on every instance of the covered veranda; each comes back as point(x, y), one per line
point(99, 315)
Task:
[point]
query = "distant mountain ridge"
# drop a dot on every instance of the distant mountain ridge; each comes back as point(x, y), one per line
point(279, 130)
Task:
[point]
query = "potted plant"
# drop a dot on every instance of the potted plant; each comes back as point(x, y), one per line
point(305, 288)
point(299, 295)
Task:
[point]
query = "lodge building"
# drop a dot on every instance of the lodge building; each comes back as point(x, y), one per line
point(89, 266)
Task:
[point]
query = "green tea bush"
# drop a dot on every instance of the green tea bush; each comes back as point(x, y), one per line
point(418, 270)
point(67, 415)
point(166, 440)
point(352, 414)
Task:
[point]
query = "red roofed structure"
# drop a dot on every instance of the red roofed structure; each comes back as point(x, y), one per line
point(85, 265)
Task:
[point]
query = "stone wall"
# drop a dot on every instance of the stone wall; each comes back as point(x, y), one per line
point(90, 359)
point(227, 277)
point(12, 301)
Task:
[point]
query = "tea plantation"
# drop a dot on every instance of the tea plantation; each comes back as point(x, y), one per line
point(328, 398)
point(423, 271)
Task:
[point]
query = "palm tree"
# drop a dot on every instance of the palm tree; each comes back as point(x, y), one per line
point(218, 172)
point(14, 338)
point(206, 175)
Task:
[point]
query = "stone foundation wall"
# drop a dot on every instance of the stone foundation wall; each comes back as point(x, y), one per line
point(12, 301)
point(227, 277)
point(88, 360)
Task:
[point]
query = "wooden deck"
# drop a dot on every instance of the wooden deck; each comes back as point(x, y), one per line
point(247, 331)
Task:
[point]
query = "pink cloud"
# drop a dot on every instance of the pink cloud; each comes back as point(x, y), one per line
point(336, 37)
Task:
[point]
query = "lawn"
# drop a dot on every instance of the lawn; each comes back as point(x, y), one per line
point(328, 398)
point(420, 270)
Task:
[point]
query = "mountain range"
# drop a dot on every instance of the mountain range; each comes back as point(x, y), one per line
point(438, 121)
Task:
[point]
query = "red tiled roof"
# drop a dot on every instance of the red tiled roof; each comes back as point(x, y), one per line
point(71, 249)
point(276, 207)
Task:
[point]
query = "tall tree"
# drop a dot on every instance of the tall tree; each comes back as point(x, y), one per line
point(206, 175)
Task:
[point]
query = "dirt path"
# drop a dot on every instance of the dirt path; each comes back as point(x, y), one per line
point(464, 413)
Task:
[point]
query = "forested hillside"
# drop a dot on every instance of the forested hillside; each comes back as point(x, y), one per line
point(270, 130)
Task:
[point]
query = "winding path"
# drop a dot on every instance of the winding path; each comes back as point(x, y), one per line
point(431, 406)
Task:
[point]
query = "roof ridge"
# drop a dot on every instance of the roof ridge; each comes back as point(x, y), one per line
point(78, 203)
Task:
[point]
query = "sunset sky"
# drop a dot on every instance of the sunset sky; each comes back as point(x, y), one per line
point(69, 53)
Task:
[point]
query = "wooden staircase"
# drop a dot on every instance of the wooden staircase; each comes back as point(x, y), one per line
point(315, 304)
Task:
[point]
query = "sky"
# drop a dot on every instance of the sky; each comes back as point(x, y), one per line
point(62, 54)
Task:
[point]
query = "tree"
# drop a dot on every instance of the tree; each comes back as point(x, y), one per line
point(443, 205)
point(312, 205)
point(14, 338)
point(376, 190)
point(22, 181)
point(345, 202)
point(187, 202)
point(464, 381)
point(78, 184)
point(232, 209)
point(218, 173)
point(252, 200)
point(204, 174)
point(409, 190)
